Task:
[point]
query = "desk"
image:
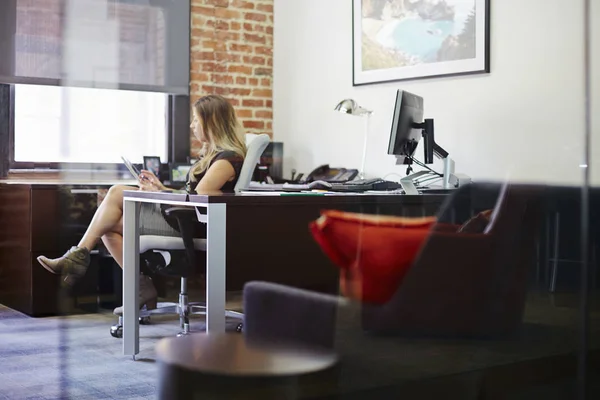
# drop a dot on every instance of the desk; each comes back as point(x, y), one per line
point(218, 208)
point(45, 217)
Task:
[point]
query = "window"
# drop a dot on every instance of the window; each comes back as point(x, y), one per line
point(81, 125)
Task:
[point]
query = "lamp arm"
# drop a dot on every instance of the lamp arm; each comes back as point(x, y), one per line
point(366, 137)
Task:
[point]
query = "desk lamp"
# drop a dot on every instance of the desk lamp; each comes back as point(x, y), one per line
point(349, 106)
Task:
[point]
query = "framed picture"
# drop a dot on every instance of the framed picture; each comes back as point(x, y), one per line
point(152, 164)
point(396, 40)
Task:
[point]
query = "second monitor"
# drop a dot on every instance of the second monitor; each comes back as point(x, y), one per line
point(408, 127)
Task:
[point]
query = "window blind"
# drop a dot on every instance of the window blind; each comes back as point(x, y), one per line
point(138, 45)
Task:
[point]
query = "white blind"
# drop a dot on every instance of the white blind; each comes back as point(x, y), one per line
point(140, 45)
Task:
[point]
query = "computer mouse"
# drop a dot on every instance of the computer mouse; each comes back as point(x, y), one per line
point(319, 185)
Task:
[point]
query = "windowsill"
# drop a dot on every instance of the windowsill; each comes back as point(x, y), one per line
point(61, 176)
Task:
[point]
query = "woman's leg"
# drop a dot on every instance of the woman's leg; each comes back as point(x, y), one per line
point(106, 218)
point(74, 263)
point(114, 243)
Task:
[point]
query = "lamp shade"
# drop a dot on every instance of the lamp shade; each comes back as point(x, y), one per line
point(349, 106)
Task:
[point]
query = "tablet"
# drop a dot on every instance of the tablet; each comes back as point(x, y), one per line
point(134, 171)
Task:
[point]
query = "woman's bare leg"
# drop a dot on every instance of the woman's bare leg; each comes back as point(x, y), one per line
point(106, 218)
point(114, 243)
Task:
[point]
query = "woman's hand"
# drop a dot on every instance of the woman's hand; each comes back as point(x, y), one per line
point(149, 182)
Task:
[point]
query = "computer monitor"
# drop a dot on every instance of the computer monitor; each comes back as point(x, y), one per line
point(178, 172)
point(408, 127)
point(405, 135)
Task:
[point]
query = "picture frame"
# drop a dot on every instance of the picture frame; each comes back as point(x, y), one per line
point(152, 164)
point(399, 41)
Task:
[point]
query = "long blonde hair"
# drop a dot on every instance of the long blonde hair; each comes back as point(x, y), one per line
point(221, 129)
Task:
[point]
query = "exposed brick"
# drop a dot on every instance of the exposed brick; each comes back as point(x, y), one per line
point(227, 57)
point(213, 45)
point(240, 69)
point(252, 103)
point(263, 71)
point(224, 35)
point(262, 93)
point(227, 13)
point(249, 37)
point(214, 67)
point(265, 7)
point(264, 114)
point(268, 51)
point(254, 60)
point(245, 113)
point(232, 55)
point(217, 3)
point(254, 124)
point(247, 5)
point(255, 17)
point(221, 79)
point(199, 77)
point(240, 48)
point(218, 24)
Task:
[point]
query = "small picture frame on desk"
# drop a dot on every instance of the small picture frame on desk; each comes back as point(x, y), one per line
point(152, 164)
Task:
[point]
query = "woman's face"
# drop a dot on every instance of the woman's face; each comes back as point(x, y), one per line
point(196, 127)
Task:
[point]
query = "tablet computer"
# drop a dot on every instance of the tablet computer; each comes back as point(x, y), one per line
point(134, 171)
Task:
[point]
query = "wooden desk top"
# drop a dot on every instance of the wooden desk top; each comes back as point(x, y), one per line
point(232, 355)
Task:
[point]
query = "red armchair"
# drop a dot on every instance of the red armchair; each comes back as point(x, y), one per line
point(458, 284)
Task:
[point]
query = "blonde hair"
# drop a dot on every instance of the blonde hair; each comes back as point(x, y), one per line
point(221, 128)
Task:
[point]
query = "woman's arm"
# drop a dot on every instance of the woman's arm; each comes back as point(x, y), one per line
point(217, 175)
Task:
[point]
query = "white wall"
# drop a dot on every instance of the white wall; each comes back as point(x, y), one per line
point(524, 119)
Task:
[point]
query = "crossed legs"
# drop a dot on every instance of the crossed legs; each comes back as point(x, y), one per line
point(107, 224)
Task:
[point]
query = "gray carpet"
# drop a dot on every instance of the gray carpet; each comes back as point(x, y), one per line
point(75, 357)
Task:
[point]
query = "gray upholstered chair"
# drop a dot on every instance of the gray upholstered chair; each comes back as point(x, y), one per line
point(191, 245)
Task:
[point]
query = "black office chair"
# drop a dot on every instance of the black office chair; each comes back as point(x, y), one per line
point(185, 249)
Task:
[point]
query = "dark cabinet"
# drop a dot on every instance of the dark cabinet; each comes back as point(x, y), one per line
point(46, 219)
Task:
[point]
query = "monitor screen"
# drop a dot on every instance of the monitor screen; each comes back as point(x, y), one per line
point(179, 173)
point(404, 138)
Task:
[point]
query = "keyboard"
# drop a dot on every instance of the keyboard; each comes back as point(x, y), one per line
point(362, 185)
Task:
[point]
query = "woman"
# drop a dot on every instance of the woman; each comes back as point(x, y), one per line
point(216, 126)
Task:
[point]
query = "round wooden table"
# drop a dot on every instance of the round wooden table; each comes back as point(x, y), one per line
point(228, 366)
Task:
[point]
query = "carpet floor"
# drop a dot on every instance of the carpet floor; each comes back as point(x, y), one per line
point(75, 357)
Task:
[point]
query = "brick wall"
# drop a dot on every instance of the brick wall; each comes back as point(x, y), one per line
point(232, 55)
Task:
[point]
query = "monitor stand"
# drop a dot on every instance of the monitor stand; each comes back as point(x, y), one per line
point(408, 184)
point(448, 178)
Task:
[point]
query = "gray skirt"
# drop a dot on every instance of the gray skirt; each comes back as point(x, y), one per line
point(152, 221)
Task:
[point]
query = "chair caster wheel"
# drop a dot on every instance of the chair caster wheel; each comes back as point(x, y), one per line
point(144, 320)
point(116, 331)
point(239, 328)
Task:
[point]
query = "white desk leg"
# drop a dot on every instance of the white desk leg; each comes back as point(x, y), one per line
point(131, 273)
point(215, 267)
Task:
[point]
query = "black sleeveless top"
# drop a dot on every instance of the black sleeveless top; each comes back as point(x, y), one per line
point(236, 161)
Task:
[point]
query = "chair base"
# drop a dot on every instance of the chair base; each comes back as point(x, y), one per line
point(195, 308)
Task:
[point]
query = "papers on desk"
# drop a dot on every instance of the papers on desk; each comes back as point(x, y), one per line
point(260, 193)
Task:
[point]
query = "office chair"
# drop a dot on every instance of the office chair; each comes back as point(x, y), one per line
point(190, 246)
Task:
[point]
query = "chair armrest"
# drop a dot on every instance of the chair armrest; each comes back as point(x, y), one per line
point(180, 212)
point(281, 313)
